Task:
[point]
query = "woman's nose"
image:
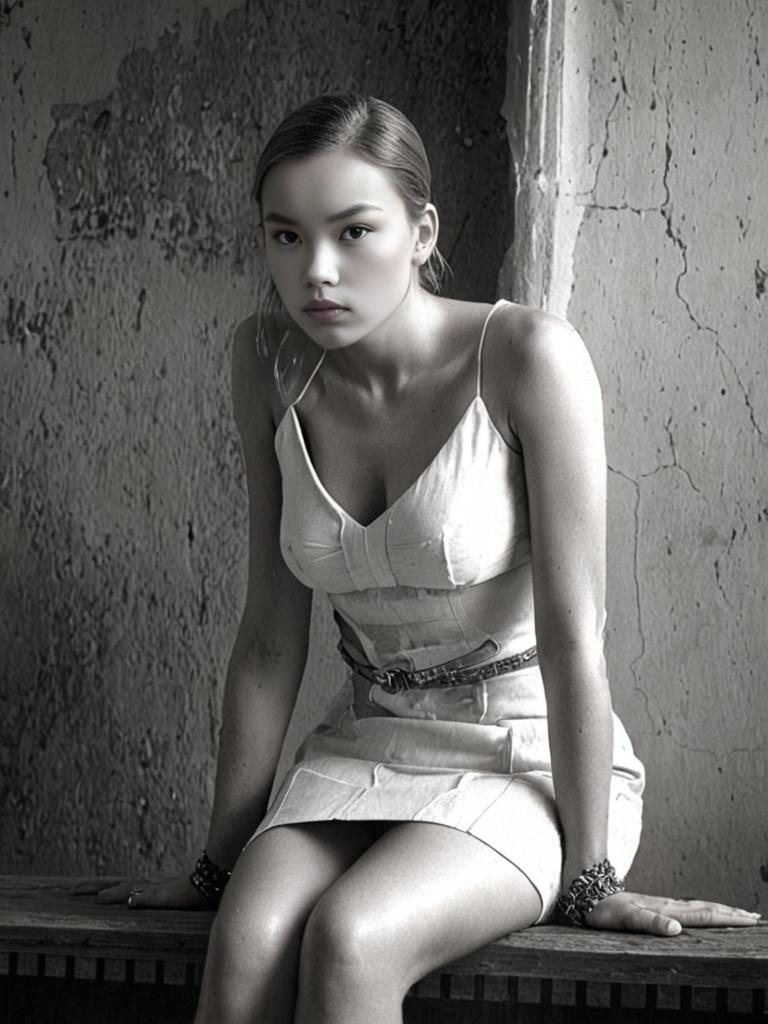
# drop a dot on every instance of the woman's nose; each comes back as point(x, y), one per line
point(321, 267)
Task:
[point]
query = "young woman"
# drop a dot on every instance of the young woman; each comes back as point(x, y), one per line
point(437, 468)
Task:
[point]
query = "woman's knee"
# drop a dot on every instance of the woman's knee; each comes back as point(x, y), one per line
point(247, 940)
point(343, 940)
point(251, 968)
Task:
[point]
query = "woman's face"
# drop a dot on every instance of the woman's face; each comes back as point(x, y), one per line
point(337, 231)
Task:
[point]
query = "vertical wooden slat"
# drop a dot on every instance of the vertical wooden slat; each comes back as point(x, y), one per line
point(529, 990)
point(721, 1001)
point(581, 994)
point(651, 997)
point(508, 1009)
point(685, 999)
point(545, 992)
point(84, 968)
point(563, 992)
point(512, 991)
point(758, 1001)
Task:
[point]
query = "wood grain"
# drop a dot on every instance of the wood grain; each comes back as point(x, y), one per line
point(38, 915)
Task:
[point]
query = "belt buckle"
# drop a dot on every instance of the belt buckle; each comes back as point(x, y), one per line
point(391, 680)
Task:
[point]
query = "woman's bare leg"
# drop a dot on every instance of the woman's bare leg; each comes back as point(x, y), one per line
point(251, 966)
point(420, 897)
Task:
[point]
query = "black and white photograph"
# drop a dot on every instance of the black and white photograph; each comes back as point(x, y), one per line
point(383, 511)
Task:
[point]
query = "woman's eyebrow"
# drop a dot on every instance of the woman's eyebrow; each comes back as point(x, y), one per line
point(352, 211)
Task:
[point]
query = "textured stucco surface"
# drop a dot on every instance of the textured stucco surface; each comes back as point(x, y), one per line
point(662, 238)
point(128, 256)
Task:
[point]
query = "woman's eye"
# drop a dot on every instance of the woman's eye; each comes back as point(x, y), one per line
point(359, 229)
point(285, 237)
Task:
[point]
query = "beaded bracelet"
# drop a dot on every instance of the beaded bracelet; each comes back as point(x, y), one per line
point(209, 879)
point(586, 891)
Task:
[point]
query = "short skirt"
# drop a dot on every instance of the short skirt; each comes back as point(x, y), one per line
point(451, 756)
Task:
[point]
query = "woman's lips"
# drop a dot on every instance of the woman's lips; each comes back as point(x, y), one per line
point(325, 313)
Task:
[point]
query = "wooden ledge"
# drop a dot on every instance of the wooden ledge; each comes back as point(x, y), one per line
point(37, 915)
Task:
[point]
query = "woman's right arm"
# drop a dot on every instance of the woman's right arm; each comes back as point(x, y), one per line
point(268, 658)
point(269, 652)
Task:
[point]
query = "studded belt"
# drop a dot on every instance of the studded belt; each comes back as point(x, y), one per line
point(394, 680)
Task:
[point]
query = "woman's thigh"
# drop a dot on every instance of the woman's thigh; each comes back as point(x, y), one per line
point(281, 875)
point(419, 897)
point(251, 967)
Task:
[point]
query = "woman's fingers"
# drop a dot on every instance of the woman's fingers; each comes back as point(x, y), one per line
point(104, 890)
point(178, 893)
point(621, 912)
point(656, 915)
point(117, 893)
point(701, 914)
point(92, 886)
point(174, 893)
point(135, 894)
point(641, 918)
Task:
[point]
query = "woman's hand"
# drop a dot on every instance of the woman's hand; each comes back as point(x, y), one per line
point(657, 915)
point(176, 893)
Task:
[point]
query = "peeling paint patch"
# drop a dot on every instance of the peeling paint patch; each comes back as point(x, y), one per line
point(760, 276)
point(140, 309)
point(35, 327)
point(168, 151)
point(6, 10)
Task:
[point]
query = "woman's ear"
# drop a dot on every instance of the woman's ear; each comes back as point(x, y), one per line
point(427, 228)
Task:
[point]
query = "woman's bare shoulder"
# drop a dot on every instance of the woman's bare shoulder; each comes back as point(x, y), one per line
point(253, 386)
point(525, 333)
point(530, 348)
point(536, 361)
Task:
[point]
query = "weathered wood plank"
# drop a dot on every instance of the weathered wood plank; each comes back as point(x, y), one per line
point(38, 915)
point(716, 957)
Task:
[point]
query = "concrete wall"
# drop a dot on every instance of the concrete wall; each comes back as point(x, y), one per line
point(652, 190)
point(128, 255)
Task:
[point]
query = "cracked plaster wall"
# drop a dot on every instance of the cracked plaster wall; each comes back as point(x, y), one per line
point(128, 257)
point(662, 247)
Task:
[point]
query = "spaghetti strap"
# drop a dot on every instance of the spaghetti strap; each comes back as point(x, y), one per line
point(480, 346)
point(311, 377)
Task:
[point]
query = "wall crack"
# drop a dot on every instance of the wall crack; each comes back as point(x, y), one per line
point(675, 463)
point(682, 248)
point(606, 135)
point(638, 601)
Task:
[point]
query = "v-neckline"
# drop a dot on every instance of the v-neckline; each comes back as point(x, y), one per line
point(385, 513)
point(477, 399)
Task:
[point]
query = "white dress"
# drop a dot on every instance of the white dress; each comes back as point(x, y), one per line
point(442, 575)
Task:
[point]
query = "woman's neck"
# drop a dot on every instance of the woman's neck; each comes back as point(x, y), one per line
point(401, 349)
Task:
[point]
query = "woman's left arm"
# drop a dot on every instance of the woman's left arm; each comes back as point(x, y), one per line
point(555, 409)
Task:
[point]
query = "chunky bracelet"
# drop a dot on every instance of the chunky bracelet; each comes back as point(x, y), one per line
point(209, 879)
point(586, 891)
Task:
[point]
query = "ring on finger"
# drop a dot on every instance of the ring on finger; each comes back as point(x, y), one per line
point(131, 895)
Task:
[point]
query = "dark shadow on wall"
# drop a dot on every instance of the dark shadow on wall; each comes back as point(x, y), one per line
point(150, 157)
